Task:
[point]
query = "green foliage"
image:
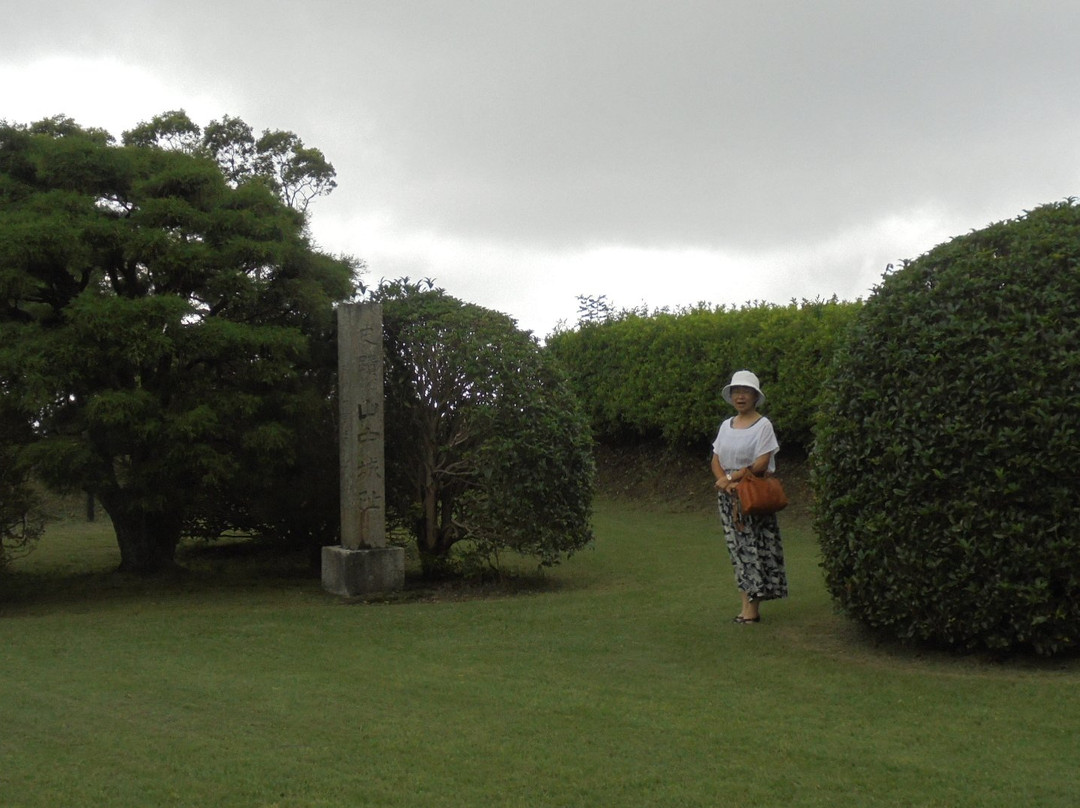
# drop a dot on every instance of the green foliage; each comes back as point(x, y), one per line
point(294, 172)
point(156, 322)
point(20, 519)
point(485, 441)
point(660, 375)
point(285, 487)
point(949, 444)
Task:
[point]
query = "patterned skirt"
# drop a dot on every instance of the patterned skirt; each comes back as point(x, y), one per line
point(756, 552)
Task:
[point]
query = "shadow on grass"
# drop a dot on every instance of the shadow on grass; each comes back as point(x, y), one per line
point(248, 566)
point(419, 589)
point(841, 639)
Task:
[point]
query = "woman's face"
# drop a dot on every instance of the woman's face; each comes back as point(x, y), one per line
point(744, 399)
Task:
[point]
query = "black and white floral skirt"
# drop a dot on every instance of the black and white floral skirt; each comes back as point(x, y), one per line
point(756, 551)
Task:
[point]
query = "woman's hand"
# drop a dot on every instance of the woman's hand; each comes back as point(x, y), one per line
point(726, 485)
point(724, 478)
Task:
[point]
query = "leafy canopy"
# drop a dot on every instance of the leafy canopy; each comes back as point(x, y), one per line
point(296, 173)
point(156, 315)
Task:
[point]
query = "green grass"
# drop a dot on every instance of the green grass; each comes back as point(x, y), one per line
point(619, 682)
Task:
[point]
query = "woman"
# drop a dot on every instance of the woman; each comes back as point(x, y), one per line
point(745, 444)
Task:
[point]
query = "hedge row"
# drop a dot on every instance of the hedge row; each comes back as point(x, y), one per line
point(660, 375)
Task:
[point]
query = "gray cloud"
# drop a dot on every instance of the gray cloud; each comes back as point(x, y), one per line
point(553, 128)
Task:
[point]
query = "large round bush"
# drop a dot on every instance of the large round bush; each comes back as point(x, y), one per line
point(947, 463)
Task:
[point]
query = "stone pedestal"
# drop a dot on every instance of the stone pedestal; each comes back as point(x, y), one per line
point(354, 573)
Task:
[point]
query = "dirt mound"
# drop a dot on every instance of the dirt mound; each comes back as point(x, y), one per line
point(680, 481)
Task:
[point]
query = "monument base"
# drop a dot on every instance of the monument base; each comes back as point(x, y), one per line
point(351, 573)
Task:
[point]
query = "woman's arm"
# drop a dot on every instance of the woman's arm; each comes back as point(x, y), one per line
point(761, 463)
point(723, 481)
point(759, 466)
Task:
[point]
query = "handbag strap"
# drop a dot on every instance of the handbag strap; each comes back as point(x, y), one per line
point(736, 507)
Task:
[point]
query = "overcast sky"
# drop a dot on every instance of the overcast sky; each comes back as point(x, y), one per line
point(658, 152)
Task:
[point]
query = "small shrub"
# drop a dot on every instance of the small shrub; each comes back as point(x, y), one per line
point(948, 445)
point(485, 441)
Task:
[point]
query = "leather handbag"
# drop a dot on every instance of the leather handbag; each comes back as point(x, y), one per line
point(760, 493)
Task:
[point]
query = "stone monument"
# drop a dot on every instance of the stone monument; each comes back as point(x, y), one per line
point(363, 564)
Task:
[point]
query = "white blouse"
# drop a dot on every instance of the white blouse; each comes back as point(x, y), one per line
point(738, 448)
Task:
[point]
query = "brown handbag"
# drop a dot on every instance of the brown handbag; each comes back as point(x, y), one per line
point(760, 493)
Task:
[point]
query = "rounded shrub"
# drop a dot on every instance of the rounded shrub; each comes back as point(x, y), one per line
point(487, 448)
point(947, 456)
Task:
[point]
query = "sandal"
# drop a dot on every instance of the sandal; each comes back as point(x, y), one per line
point(742, 621)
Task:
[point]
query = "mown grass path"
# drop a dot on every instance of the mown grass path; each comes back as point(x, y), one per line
point(620, 682)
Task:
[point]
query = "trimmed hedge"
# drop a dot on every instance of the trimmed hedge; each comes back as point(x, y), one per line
point(948, 448)
point(660, 375)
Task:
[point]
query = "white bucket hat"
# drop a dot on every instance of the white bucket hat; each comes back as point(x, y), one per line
point(744, 378)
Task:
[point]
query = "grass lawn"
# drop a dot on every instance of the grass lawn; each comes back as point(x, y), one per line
point(618, 682)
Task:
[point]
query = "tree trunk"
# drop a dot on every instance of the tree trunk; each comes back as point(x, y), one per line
point(434, 538)
point(147, 538)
